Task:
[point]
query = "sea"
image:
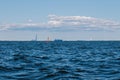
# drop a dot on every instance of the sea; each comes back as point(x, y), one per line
point(66, 60)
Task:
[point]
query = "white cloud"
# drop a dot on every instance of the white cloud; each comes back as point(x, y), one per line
point(66, 22)
point(86, 23)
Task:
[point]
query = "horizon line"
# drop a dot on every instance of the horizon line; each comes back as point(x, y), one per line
point(53, 40)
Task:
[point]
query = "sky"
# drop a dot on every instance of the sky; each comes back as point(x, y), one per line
point(60, 19)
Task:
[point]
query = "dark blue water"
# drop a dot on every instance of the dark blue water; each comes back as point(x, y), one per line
point(82, 60)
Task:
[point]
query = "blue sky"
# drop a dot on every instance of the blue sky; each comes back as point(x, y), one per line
point(63, 19)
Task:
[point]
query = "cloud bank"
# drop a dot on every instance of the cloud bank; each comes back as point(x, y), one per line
point(65, 23)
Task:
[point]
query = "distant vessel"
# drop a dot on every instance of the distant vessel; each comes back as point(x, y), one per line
point(58, 40)
point(48, 39)
point(35, 38)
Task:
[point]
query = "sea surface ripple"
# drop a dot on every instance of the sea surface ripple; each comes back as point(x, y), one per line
point(67, 60)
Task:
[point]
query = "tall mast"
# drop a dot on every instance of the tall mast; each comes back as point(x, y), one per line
point(48, 39)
